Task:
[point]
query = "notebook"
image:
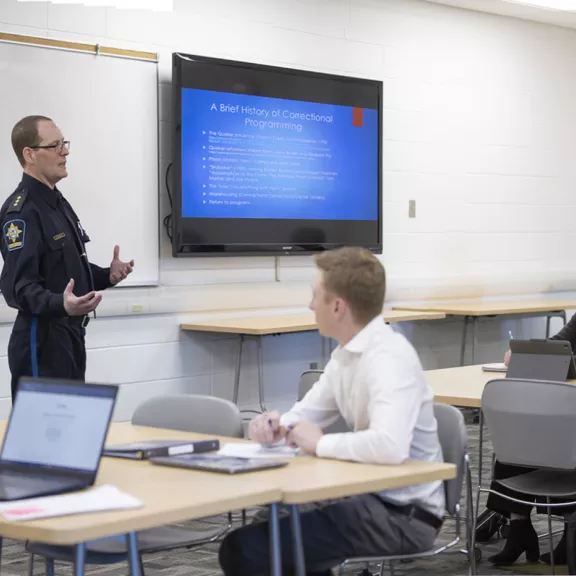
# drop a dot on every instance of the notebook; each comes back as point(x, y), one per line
point(151, 448)
point(217, 463)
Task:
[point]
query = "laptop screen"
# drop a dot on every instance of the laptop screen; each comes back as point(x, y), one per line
point(59, 425)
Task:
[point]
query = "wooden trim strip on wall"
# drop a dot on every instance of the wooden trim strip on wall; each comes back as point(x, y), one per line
point(78, 46)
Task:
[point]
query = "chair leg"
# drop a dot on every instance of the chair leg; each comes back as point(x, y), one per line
point(550, 537)
point(31, 565)
point(390, 567)
point(49, 567)
point(141, 564)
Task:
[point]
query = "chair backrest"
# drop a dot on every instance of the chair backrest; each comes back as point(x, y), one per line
point(454, 442)
point(307, 380)
point(191, 413)
point(532, 422)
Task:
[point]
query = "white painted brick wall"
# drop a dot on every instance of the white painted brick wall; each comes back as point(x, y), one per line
point(479, 129)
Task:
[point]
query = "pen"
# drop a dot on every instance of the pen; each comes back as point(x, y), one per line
point(510, 335)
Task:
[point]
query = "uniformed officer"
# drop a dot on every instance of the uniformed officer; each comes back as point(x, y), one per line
point(47, 276)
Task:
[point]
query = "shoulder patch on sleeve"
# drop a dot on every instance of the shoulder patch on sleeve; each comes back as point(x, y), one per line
point(18, 201)
point(14, 233)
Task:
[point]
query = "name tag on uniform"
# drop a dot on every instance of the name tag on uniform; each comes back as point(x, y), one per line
point(59, 236)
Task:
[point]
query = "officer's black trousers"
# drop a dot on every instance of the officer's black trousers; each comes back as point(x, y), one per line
point(46, 347)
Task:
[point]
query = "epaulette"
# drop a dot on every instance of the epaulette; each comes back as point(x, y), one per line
point(19, 197)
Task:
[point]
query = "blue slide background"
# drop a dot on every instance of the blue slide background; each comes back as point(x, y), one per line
point(351, 194)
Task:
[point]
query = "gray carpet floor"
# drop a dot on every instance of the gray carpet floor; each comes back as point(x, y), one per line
point(203, 561)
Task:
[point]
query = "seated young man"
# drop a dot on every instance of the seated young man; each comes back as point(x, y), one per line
point(374, 380)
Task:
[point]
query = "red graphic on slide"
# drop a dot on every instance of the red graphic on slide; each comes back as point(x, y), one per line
point(357, 117)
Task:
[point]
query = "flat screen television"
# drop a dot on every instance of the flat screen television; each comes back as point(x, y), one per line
point(270, 160)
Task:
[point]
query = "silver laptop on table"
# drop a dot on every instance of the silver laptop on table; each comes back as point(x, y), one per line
point(54, 437)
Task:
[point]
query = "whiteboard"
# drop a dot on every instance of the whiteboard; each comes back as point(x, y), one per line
point(108, 108)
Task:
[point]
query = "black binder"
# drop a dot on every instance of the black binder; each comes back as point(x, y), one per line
point(153, 448)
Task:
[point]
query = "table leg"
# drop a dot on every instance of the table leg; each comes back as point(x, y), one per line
point(260, 374)
point(463, 345)
point(548, 318)
point(480, 446)
point(563, 316)
point(275, 551)
point(475, 321)
point(297, 544)
point(324, 361)
point(80, 560)
point(237, 373)
point(133, 554)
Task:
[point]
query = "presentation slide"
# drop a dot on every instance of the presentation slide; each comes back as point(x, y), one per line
point(249, 156)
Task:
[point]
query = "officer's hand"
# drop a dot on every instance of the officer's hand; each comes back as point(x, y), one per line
point(118, 269)
point(80, 305)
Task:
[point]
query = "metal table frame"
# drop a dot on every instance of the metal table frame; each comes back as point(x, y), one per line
point(475, 320)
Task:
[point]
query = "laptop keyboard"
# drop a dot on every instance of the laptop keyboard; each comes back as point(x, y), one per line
point(29, 480)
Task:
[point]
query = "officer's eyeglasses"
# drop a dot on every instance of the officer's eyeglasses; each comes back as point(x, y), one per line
point(59, 147)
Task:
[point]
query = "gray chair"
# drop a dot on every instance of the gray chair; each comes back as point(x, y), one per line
point(191, 413)
point(307, 380)
point(532, 424)
point(454, 441)
point(186, 412)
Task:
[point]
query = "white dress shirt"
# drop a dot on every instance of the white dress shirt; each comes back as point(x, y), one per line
point(377, 384)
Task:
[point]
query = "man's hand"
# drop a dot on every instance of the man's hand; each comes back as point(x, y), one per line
point(305, 435)
point(507, 357)
point(80, 305)
point(265, 428)
point(119, 270)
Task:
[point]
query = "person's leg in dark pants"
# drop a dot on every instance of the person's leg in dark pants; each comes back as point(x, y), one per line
point(357, 526)
point(49, 348)
point(502, 505)
point(522, 537)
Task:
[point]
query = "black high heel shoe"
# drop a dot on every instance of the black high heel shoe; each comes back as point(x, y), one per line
point(522, 538)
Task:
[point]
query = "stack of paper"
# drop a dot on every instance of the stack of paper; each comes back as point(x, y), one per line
point(106, 497)
point(247, 450)
point(496, 367)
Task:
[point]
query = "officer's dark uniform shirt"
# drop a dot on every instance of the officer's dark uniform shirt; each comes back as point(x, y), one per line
point(43, 247)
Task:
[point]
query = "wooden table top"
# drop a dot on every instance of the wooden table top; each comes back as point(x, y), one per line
point(265, 325)
point(492, 308)
point(460, 386)
point(169, 495)
point(176, 495)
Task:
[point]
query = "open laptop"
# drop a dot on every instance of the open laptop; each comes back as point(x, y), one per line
point(54, 437)
point(541, 360)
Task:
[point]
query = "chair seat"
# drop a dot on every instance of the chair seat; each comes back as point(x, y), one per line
point(554, 484)
point(112, 550)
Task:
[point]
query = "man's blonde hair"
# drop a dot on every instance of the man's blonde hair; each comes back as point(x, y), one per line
point(356, 276)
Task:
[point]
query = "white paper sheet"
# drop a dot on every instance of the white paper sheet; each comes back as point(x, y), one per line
point(496, 367)
point(251, 450)
point(101, 498)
